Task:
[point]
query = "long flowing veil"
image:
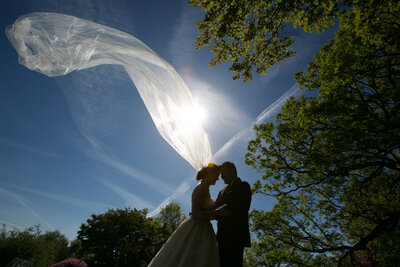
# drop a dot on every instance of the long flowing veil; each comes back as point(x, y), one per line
point(56, 44)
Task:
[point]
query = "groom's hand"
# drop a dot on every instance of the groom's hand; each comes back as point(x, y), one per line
point(223, 211)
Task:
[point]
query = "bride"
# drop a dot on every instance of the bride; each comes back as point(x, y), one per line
point(194, 243)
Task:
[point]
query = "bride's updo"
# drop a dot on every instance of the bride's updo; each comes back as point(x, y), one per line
point(203, 172)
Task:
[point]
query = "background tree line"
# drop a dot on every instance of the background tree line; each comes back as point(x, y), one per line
point(331, 161)
point(118, 237)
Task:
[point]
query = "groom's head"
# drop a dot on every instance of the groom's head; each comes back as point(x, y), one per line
point(228, 172)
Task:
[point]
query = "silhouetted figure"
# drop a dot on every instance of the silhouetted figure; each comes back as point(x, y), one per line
point(193, 244)
point(233, 231)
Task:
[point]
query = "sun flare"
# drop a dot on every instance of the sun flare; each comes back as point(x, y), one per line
point(193, 115)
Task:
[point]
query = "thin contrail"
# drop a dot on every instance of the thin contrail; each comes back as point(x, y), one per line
point(275, 107)
point(130, 199)
point(22, 203)
point(180, 190)
point(95, 152)
point(90, 205)
point(155, 183)
point(262, 118)
point(23, 147)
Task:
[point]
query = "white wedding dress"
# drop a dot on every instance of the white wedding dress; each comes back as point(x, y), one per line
point(193, 243)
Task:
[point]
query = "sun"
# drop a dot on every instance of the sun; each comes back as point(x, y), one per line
point(193, 115)
point(199, 113)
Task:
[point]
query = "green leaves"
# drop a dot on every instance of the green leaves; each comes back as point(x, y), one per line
point(172, 216)
point(253, 35)
point(40, 249)
point(332, 161)
point(121, 237)
point(127, 237)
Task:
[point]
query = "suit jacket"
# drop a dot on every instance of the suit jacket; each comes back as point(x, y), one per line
point(234, 230)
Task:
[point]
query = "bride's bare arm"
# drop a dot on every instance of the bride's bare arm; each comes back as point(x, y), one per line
point(199, 197)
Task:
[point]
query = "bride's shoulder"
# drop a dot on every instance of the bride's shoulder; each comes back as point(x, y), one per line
point(200, 188)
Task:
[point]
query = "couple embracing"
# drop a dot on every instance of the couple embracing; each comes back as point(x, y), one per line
point(194, 243)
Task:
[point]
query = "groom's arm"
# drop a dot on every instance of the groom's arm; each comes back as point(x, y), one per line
point(221, 209)
point(218, 203)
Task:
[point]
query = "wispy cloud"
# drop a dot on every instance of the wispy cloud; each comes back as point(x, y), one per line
point(90, 205)
point(25, 148)
point(131, 200)
point(181, 45)
point(100, 114)
point(104, 12)
point(20, 200)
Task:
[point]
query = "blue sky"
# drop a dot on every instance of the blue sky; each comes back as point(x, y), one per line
point(79, 144)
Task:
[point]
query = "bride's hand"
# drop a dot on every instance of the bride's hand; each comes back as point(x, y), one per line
point(223, 211)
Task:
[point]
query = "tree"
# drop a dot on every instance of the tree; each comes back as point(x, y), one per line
point(40, 249)
point(50, 248)
point(121, 237)
point(257, 33)
point(171, 215)
point(15, 244)
point(76, 249)
point(332, 161)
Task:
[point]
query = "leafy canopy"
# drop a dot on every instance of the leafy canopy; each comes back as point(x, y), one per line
point(33, 246)
point(126, 237)
point(121, 237)
point(256, 34)
point(332, 161)
point(171, 215)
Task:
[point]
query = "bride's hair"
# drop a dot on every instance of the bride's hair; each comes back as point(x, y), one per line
point(203, 172)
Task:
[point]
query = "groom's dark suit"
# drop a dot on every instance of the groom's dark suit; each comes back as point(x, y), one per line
point(233, 231)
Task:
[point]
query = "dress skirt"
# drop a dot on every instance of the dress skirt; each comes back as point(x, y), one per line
point(193, 244)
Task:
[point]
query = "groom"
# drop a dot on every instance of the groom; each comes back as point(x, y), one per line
point(233, 230)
